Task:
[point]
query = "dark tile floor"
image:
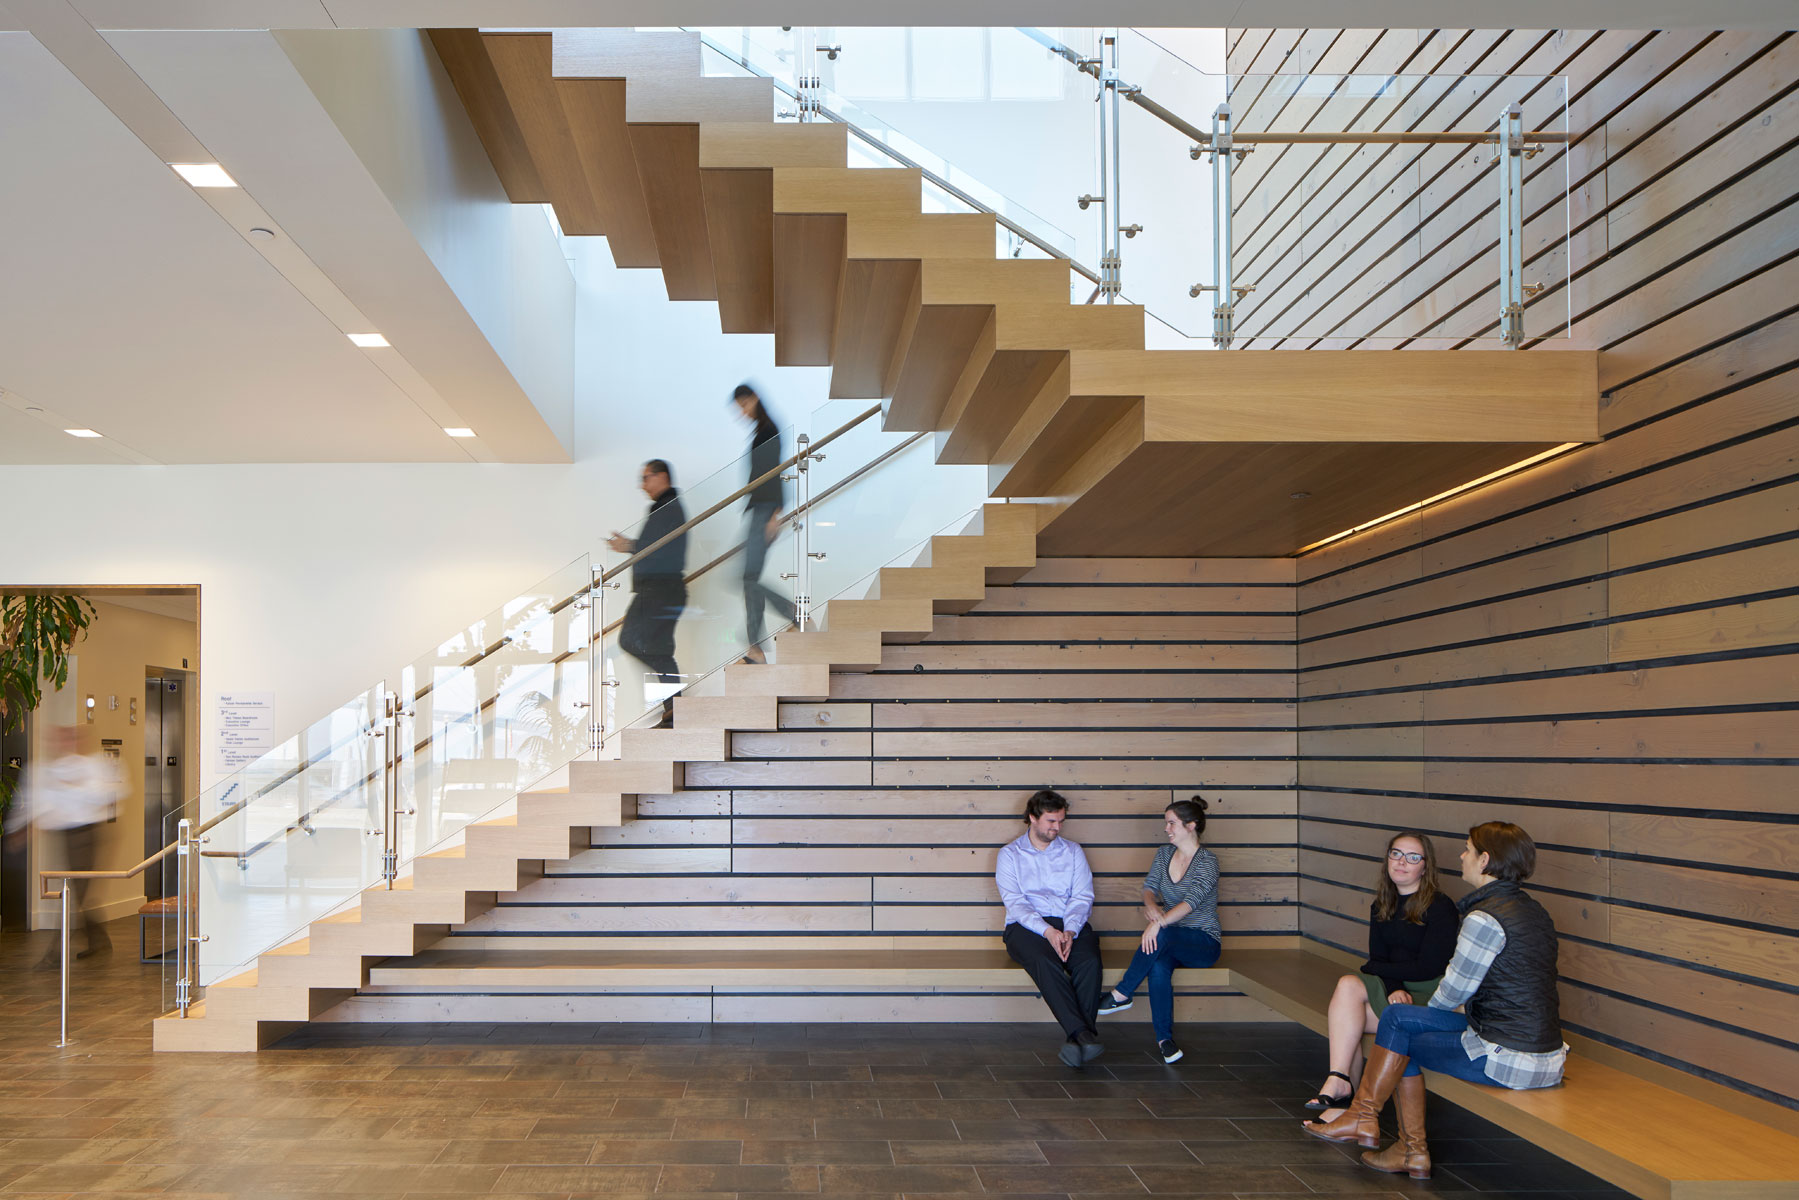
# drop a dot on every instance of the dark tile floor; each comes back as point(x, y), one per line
point(574, 1110)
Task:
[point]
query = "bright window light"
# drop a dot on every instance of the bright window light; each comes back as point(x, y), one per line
point(204, 174)
point(368, 341)
point(459, 431)
point(81, 433)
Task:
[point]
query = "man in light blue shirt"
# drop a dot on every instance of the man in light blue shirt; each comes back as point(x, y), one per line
point(1048, 890)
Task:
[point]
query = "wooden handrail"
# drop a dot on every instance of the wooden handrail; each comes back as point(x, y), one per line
point(44, 877)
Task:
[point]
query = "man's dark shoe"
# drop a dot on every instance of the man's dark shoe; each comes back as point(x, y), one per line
point(1170, 1052)
point(1090, 1046)
point(1072, 1055)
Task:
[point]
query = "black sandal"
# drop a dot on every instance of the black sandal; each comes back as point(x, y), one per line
point(1322, 1101)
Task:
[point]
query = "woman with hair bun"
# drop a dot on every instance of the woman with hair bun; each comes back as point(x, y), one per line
point(1411, 935)
point(1180, 912)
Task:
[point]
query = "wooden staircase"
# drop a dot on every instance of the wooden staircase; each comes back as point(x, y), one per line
point(295, 982)
point(1138, 452)
point(1147, 453)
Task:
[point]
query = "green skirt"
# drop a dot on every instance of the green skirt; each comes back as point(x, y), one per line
point(1377, 992)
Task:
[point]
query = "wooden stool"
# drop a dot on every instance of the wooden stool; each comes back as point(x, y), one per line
point(162, 909)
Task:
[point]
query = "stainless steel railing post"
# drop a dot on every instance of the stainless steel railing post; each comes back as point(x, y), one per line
point(1511, 225)
point(184, 904)
point(67, 959)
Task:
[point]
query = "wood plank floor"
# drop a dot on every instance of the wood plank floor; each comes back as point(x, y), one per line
point(713, 1110)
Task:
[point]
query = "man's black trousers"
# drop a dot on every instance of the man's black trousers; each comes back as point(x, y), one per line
point(1071, 989)
point(649, 630)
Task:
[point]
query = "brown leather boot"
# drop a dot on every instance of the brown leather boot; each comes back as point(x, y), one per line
point(1361, 1122)
point(1409, 1155)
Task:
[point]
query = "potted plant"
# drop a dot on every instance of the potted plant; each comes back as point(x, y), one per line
point(36, 632)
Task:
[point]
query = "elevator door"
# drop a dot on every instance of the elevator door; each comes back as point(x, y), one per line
point(164, 763)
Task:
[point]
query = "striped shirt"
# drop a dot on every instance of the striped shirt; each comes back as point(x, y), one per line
point(1198, 887)
point(1481, 939)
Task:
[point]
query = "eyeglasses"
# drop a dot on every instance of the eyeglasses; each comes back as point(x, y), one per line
point(1405, 856)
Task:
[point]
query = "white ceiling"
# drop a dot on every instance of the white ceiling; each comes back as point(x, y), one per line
point(139, 307)
point(1368, 14)
point(131, 308)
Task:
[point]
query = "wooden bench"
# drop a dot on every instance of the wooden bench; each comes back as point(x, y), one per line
point(164, 911)
point(1644, 1129)
point(1648, 1129)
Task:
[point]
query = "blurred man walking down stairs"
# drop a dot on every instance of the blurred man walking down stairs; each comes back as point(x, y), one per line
point(658, 583)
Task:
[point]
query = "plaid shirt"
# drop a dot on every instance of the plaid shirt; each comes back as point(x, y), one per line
point(1481, 939)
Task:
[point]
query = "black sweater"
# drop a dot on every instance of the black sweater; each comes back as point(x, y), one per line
point(765, 456)
point(666, 516)
point(1400, 952)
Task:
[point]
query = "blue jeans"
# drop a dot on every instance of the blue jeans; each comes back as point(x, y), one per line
point(1430, 1037)
point(1176, 946)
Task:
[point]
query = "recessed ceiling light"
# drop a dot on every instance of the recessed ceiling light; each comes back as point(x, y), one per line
point(368, 341)
point(459, 431)
point(81, 433)
point(33, 409)
point(204, 174)
point(262, 234)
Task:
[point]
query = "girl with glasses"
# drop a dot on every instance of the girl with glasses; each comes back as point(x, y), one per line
point(1411, 936)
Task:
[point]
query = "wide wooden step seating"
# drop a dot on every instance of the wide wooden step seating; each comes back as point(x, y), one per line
point(1649, 1129)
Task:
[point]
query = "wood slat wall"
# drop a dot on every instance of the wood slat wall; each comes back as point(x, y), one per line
point(1604, 648)
point(872, 821)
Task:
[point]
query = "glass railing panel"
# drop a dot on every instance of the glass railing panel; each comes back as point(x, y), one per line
point(898, 507)
point(301, 833)
point(1343, 236)
point(1164, 190)
point(707, 612)
point(992, 114)
point(1367, 238)
point(882, 514)
point(475, 734)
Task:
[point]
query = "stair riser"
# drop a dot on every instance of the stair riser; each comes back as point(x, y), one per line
point(623, 776)
point(677, 744)
point(297, 971)
point(273, 1004)
point(216, 1034)
point(373, 941)
point(425, 907)
point(514, 842)
point(726, 712)
point(933, 584)
point(572, 811)
point(786, 682)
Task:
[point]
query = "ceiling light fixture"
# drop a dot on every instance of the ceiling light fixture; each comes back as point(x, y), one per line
point(368, 341)
point(81, 433)
point(459, 431)
point(204, 175)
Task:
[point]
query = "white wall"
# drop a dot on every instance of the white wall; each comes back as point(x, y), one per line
point(317, 581)
point(389, 95)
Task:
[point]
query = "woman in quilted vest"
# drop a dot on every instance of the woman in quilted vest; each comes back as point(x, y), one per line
point(1502, 979)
